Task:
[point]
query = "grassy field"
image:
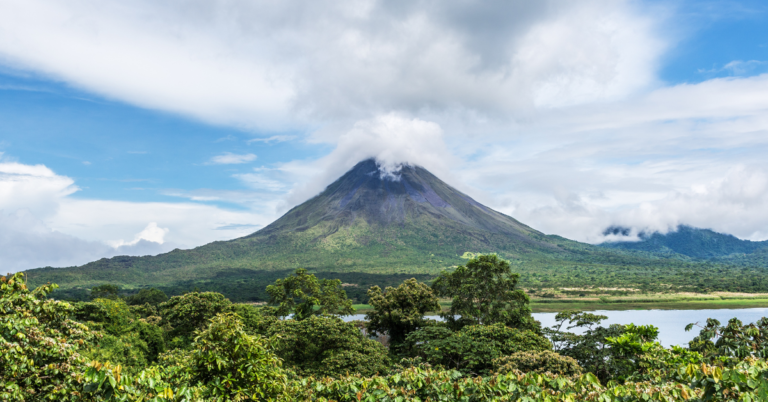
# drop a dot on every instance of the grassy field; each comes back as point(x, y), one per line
point(680, 301)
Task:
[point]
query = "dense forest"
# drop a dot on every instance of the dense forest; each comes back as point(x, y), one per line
point(201, 346)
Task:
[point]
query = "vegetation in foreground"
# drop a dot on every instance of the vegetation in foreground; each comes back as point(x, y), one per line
point(202, 347)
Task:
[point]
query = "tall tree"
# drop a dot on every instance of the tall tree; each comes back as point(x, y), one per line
point(483, 293)
point(106, 291)
point(301, 292)
point(400, 311)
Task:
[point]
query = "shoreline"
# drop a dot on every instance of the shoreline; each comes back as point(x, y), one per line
point(703, 302)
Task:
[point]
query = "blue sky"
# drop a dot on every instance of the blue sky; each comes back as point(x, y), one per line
point(139, 128)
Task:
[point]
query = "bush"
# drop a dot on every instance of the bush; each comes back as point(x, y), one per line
point(150, 296)
point(39, 345)
point(191, 312)
point(328, 346)
point(400, 311)
point(127, 350)
point(233, 365)
point(544, 361)
point(472, 349)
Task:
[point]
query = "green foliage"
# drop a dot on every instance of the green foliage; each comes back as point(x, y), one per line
point(127, 350)
point(303, 295)
point(112, 315)
point(106, 291)
point(149, 296)
point(191, 312)
point(39, 345)
point(483, 293)
point(732, 340)
point(611, 353)
point(543, 361)
point(327, 346)
point(234, 365)
point(256, 320)
point(472, 349)
point(400, 311)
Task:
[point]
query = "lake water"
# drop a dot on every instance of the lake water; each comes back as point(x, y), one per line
point(671, 323)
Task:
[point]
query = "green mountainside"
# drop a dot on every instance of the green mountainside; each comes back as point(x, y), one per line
point(704, 244)
point(373, 227)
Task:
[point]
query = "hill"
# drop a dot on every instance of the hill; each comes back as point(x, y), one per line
point(374, 227)
point(703, 244)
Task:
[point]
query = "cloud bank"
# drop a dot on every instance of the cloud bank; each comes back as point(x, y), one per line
point(41, 224)
point(550, 111)
point(264, 64)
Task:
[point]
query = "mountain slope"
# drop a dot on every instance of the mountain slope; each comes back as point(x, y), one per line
point(373, 227)
point(692, 242)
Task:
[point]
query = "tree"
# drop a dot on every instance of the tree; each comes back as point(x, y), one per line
point(327, 346)
point(732, 340)
point(301, 292)
point(190, 312)
point(543, 361)
point(233, 365)
point(106, 291)
point(40, 346)
point(400, 311)
point(472, 349)
point(149, 296)
point(483, 293)
point(611, 353)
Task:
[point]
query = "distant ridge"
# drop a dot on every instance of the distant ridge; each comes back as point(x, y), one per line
point(689, 241)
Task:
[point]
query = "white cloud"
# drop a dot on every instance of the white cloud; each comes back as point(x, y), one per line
point(550, 111)
point(392, 139)
point(228, 158)
point(261, 64)
point(41, 224)
point(271, 139)
point(151, 233)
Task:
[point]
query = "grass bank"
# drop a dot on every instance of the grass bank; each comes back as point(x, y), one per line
point(679, 301)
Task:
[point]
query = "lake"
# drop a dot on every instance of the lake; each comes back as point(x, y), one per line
point(671, 323)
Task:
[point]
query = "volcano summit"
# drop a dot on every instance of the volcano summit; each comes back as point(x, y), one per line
point(368, 222)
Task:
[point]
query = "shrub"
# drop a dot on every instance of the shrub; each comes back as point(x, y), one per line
point(472, 349)
point(191, 312)
point(328, 346)
point(544, 361)
point(39, 345)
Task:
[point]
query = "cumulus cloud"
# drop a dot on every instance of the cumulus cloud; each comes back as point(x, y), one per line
point(290, 63)
point(391, 139)
point(228, 158)
point(32, 187)
point(152, 233)
point(41, 224)
point(549, 111)
point(27, 242)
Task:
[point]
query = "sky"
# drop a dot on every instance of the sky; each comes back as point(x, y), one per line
point(139, 127)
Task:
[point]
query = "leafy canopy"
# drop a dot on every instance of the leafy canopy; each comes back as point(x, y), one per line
point(400, 311)
point(40, 346)
point(483, 293)
point(301, 293)
point(106, 291)
point(149, 296)
point(472, 349)
point(190, 312)
point(327, 346)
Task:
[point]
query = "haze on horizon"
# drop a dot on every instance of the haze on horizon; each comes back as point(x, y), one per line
point(135, 128)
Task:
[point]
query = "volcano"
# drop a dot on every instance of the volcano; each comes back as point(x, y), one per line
point(368, 222)
point(398, 214)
